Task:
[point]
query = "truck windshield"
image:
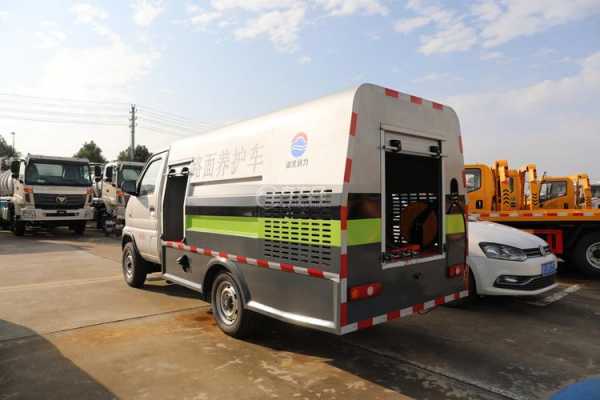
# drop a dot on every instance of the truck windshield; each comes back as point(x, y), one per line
point(130, 173)
point(57, 174)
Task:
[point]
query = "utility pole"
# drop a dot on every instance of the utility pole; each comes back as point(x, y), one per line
point(132, 124)
point(13, 141)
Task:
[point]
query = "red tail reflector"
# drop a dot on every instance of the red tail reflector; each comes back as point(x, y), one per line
point(365, 291)
point(456, 270)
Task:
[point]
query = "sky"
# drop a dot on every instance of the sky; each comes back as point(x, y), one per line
point(523, 76)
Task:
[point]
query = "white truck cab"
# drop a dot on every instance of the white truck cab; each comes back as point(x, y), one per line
point(338, 214)
point(45, 192)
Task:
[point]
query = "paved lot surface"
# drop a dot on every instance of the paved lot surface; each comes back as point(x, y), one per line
point(70, 328)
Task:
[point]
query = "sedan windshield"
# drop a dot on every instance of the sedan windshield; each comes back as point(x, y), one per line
point(57, 174)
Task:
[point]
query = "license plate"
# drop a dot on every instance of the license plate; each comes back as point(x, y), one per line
point(548, 268)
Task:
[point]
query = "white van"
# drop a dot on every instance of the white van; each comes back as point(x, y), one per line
point(337, 214)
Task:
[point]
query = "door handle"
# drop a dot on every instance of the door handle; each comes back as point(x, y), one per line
point(152, 209)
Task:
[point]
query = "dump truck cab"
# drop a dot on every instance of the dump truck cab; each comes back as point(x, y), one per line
point(110, 209)
point(45, 192)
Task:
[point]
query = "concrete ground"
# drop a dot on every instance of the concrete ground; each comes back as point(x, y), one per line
point(70, 328)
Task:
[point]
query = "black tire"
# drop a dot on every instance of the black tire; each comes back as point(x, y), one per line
point(79, 228)
point(134, 267)
point(18, 226)
point(587, 255)
point(228, 307)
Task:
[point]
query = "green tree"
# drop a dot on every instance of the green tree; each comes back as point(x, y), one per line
point(91, 151)
point(7, 150)
point(141, 154)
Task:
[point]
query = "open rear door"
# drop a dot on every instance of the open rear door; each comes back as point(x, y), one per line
point(412, 200)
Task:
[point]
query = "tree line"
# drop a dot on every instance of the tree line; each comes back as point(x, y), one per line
point(89, 150)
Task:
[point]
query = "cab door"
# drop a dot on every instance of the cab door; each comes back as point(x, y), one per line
point(480, 189)
point(556, 195)
point(143, 209)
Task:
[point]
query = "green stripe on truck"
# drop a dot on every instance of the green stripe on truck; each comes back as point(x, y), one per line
point(291, 230)
point(455, 223)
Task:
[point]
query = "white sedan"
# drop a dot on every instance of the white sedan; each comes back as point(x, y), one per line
point(507, 261)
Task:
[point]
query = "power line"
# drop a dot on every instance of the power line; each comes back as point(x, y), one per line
point(63, 121)
point(64, 100)
point(53, 112)
point(187, 122)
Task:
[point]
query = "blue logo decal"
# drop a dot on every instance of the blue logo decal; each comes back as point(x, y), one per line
point(299, 144)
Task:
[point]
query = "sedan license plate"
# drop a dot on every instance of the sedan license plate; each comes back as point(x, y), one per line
point(548, 268)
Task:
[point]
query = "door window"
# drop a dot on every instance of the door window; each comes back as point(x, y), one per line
point(150, 178)
point(553, 190)
point(473, 178)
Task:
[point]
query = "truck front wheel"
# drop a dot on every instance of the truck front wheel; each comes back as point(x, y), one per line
point(18, 226)
point(228, 307)
point(134, 266)
point(587, 255)
point(79, 228)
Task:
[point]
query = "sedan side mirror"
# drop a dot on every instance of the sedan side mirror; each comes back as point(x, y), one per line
point(129, 187)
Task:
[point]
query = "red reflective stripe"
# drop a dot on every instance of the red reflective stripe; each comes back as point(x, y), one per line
point(393, 314)
point(242, 259)
point(391, 93)
point(456, 296)
point(180, 246)
point(343, 314)
point(577, 214)
point(416, 100)
point(223, 254)
point(286, 267)
point(528, 214)
point(552, 214)
point(262, 263)
point(343, 218)
point(316, 273)
point(193, 249)
point(437, 106)
point(353, 120)
point(348, 170)
point(504, 214)
point(485, 215)
point(439, 301)
point(365, 323)
point(343, 265)
point(418, 308)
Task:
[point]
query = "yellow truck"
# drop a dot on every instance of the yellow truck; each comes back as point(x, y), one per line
point(517, 198)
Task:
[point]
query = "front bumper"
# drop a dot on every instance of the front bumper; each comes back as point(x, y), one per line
point(488, 273)
point(36, 215)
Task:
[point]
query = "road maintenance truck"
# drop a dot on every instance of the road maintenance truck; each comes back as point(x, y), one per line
point(110, 200)
point(338, 214)
point(547, 210)
point(45, 192)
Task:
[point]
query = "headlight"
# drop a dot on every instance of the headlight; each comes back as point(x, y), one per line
point(503, 252)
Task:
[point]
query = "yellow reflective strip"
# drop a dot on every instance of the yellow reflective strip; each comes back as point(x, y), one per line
point(455, 223)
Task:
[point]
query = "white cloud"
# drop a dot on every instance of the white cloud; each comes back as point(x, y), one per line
point(50, 39)
point(87, 13)
point(281, 27)
point(305, 60)
point(522, 18)
point(491, 55)
point(410, 24)
point(538, 123)
point(146, 11)
point(281, 21)
point(434, 77)
point(349, 7)
point(488, 23)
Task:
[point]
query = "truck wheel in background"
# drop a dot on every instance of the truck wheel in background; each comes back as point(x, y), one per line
point(587, 255)
point(18, 227)
point(471, 299)
point(228, 307)
point(79, 228)
point(134, 266)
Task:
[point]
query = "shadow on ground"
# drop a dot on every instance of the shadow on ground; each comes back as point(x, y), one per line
point(32, 368)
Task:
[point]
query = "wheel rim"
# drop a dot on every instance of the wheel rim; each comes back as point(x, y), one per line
point(592, 255)
point(129, 266)
point(227, 303)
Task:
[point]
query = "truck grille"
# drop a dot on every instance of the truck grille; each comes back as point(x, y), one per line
point(47, 201)
point(536, 252)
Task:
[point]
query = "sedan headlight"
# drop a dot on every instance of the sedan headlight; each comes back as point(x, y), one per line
point(502, 252)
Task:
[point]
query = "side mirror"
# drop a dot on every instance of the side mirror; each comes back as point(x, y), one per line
point(97, 171)
point(109, 174)
point(129, 187)
point(15, 168)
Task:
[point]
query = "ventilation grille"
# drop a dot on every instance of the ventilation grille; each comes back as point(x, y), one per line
point(298, 226)
point(399, 202)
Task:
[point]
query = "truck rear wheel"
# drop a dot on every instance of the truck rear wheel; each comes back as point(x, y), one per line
point(134, 267)
point(228, 307)
point(587, 255)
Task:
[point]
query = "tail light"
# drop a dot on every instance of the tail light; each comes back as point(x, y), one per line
point(365, 291)
point(120, 197)
point(456, 270)
point(28, 192)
